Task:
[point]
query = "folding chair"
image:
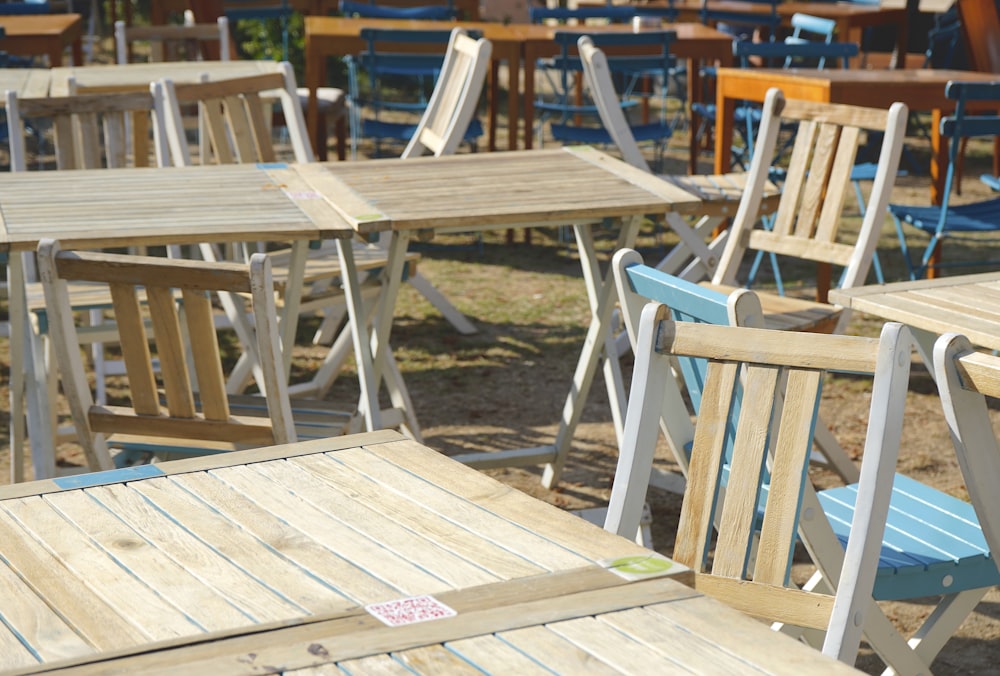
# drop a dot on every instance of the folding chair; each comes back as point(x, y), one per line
point(950, 221)
point(308, 279)
point(91, 131)
point(754, 429)
point(807, 223)
point(692, 258)
point(187, 411)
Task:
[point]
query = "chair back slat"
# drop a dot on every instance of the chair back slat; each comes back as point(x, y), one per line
point(135, 349)
point(204, 349)
point(174, 372)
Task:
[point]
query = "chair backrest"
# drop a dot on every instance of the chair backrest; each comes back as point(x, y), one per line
point(807, 223)
point(585, 14)
point(777, 378)
point(788, 54)
point(602, 90)
point(177, 306)
point(173, 42)
point(91, 131)
point(943, 39)
point(233, 117)
point(743, 24)
point(369, 10)
point(262, 10)
point(807, 28)
point(455, 98)
point(637, 285)
point(965, 379)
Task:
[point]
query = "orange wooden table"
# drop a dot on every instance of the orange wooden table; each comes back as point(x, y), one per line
point(921, 89)
point(44, 35)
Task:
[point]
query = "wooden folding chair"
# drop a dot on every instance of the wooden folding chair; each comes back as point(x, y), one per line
point(162, 310)
point(807, 223)
point(90, 131)
point(758, 407)
point(309, 279)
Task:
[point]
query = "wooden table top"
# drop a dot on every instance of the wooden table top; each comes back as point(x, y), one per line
point(968, 304)
point(492, 190)
point(117, 207)
point(27, 82)
point(272, 559)
point(111, 77)
point(33, 25)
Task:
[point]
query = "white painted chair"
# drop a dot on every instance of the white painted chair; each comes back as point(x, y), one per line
point(693, 258)
point(808, 220)
point(172, 42)
point(91, 131)
point(441, 129)
point(758, 406)
point(186, 411)
point(233, 119)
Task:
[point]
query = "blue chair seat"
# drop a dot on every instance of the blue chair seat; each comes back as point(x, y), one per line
point(950, 538)
point(978, 217)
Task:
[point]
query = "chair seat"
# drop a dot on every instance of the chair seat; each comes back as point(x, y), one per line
point(950, 539)
point(978, 217)
point(791, 314)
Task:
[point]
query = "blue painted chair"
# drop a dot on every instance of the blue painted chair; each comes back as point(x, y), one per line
point(932, 544)
point(417, 71)
point(971, 221)
point(356, 9)
point(262, 10)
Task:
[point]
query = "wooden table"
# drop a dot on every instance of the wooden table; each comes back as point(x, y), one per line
point(576, 186)
point(517, 44)
point(135, 207)
point(920, 89)
point(968, 304)
point(278, 559)
point(27, 82)
point(44, 35)
point(131, 76)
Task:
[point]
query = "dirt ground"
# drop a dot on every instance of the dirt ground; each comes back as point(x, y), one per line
point(504, 388)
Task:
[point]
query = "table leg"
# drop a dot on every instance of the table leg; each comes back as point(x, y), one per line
point(492, 93)
point(598, 343)
point(529, 98)
point(725, 109)
point(315, 77)
point(693, 90)
point(28, 396)
point(514, 98)
point(369, 405)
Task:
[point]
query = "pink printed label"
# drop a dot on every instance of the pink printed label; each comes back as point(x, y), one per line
point(399, 612)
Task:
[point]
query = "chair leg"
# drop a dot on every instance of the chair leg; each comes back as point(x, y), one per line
point(340, 129)
point(320, 140)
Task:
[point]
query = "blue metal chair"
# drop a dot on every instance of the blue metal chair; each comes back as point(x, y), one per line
point(949, 221)
point(370, 10)
point(27, 7)
point(630, 70)
point(414, 74)
point(262, 10)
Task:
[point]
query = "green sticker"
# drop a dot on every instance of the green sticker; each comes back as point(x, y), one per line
point(369, 217)
point(642, 565)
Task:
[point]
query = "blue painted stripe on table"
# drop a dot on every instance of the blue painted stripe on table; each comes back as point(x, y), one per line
point(272, 165)
point(112, 476)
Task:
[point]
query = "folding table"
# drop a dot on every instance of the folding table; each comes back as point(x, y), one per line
point(367, 551)
point(495, 191)
point(135, 207)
